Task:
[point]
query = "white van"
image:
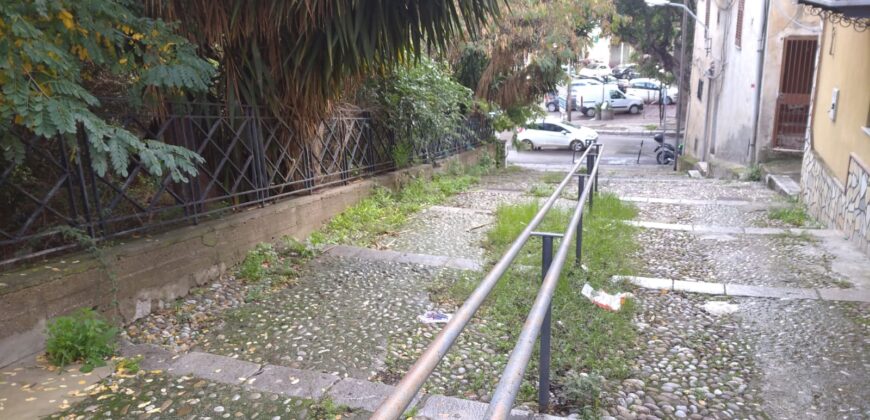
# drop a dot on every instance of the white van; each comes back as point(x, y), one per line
point(590, 96)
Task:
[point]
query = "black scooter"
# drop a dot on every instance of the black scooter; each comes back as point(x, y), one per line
point(665, 152)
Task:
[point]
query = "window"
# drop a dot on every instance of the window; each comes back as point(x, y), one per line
point(615, 94)
point(551, 127)
point(738, 32)
point(700, 89)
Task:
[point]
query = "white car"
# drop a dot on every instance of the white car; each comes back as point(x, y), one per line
point(650, 90)
point(556, 134)
point(591, 96)
point(596, 70)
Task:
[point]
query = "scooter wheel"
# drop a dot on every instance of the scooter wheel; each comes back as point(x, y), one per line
point(664, 157)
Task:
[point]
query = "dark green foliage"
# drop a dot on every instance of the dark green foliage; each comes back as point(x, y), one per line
point(420, 103)
point(57, 49)
point(470, 65)
point(83, 336)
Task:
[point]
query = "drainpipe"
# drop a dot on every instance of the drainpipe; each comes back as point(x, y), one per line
point(762, 47)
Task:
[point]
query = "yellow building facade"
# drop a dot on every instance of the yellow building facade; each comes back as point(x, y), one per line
point(836, 165)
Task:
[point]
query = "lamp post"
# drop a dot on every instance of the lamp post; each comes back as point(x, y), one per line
point(686, 11)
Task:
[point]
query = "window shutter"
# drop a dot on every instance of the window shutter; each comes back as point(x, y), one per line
point(738, 32)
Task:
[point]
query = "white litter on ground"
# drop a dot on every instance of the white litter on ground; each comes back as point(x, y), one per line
point(718, 307)
point(603, 299)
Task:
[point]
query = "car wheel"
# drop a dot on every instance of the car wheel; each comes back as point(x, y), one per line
point(633, 109)
point(577, 145)
point(552, 107)
point(669, 100)
point(528, 144)
point(590, 112)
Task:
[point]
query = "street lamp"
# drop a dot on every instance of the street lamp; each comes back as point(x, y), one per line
point(707, 46)
point(656, 3)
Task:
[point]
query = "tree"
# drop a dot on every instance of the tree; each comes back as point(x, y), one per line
point(298, 56)
point(53, 50)
point(654, 31)
point(526, 48)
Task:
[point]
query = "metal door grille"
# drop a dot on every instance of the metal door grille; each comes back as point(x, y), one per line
point(793, 102)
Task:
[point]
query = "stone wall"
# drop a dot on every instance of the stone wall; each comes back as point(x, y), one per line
point(166, 266)
point(839, 207)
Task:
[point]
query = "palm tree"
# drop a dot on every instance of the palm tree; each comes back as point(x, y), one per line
point(297, 56)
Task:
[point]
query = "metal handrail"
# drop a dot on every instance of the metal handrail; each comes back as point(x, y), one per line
point(405, 391)
point(512, 376)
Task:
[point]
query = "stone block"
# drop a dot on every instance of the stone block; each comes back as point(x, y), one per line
point(153, 357)
point(769, 292)
point(293, 382)
point(215, 368)
point(357, 393)
point(848, 295)
point(438, 407)
point(699, 287)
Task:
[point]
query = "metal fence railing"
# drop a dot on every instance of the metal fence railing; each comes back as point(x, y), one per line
point(250, 159)
point(538, 321)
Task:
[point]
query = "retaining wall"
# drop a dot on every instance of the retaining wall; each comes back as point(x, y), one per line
point(842, 207)
point(166, 266)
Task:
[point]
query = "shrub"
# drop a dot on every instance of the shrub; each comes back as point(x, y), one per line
point(83, 336)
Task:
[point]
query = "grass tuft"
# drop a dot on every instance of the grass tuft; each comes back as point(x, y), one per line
point(794, 214)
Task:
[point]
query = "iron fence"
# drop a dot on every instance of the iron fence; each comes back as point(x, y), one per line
point(250, 159)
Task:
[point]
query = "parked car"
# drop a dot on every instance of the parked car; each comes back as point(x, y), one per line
point(596, 70)
point(617, 71)
point(625, 71)
point(591, 96)
point(556, 134)
point(651, 91)
point(554, 103)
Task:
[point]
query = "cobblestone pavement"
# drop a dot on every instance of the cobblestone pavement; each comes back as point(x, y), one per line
point(770, 358)
point(711, 215)
point(690, 364)
point(338, 319)
point(763, 260)
point(358, 318)
point(815, 356)
point(687, 188)
point(159, 396)
point(461, 233)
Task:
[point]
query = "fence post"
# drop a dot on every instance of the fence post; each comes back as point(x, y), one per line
point(544, 354)
point(581, 183)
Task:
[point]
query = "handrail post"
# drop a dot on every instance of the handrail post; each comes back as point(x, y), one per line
point(597, 156)
point(544, 354)
point(590, 163)
point(581, 183)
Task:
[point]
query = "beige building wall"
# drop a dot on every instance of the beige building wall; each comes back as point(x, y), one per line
point(725, 114)
point(785, 19)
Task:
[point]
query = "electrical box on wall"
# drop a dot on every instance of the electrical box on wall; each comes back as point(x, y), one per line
point(832, 111)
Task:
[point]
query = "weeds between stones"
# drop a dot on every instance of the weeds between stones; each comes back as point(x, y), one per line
point(794, 214)
point(385, 211)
